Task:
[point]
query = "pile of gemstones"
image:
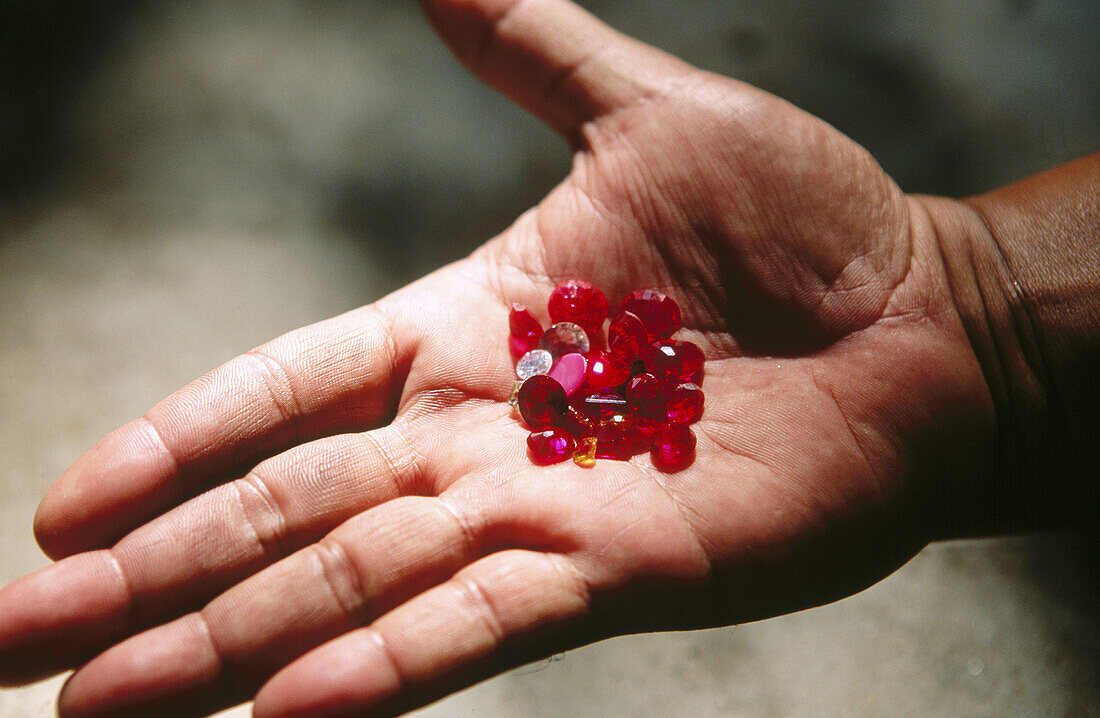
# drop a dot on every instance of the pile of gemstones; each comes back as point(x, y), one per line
point(585, 398)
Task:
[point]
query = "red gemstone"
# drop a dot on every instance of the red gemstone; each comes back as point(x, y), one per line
point(645, 391)
point(615, 439)
point(605, 370)
point(578, 423)
point(524, 330)
point(685, 404)
point(542, 402)
point(659, 313)
point(579, 302)
point(605, 403)
point(551, 446)
point(673, 446)
point(627, 336)
point(673, 360)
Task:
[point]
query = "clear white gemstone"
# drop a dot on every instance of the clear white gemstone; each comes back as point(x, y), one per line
point(564, 338)
point(533, 363)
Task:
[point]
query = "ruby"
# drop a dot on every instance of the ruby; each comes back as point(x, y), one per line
point(524, 329)
point(645, 391)
point(627, 336)
point(658, 312)
point(605, 370)
point(615, 439)
point(579, 302)
point(578, 423)
point(673, 446)
point(685, 404)
point(551, 446)
point(542, 402)
point(672, 360)
point(604, 403)
point(570, 372)
point(565, 338)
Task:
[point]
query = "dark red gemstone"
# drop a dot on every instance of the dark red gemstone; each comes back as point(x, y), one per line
point(579, 302)
point(550, 446)
point(578, 423)
point(604, 403)
point(524, 330)
point(645, 391)
point(615, 439)
point(542, 402)
point(659, 313)
point(627, 336)
point(672, 360)
point(685, 404)
point(605, 370)
point(673, 446)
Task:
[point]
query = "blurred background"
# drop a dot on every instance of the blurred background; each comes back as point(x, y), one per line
point(180, 181)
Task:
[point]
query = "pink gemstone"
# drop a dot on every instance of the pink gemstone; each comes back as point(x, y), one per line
point(605, 370)
point(627, 336)
point(569, 371)
point(685, 404)
point(673, 360)
point(673, 446)
point(659, 313)
point(579, 302)
point(646, 391)
point(565, 338)
point(542, 402)
point(615, 439)
point(519, 347)
point(550, 446)
point(604, 403)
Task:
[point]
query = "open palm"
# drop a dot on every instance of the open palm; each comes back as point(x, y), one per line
point(257, 529)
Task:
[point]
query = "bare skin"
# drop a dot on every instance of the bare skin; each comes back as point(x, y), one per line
point(343, 521)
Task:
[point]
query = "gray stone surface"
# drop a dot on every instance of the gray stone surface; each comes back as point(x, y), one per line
point(185, 180)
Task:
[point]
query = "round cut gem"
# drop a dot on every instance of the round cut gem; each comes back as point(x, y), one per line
point(685, 404)
point(627, 336)
point(673, 446)
point(658, 312)
point(541, 402)
point(570, 371)
point(533, 363)
point(565, 338)
point(550, 446)
point(645, 391)
point(673, 360)
point(605, 370)
point(579, 302)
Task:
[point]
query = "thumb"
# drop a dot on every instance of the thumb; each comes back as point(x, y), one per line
point(553, 58)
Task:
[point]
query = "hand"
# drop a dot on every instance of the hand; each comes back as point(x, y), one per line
point(356, 568)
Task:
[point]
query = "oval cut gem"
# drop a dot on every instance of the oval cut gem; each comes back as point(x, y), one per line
point(579, 302)
point(685, 404)
point(627, 336)
point(672, 360)
point(550, 446)
point(542, 402)
point(673, 446)
point(605, 370)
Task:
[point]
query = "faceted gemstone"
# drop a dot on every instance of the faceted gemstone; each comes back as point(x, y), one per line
point(565, 338)
point(627, 336)
point(645, 391)
point(615, 438)
point(551, 446)
point(542, 402)
point(605, 370)
point(605, 403)
point(579, 302)
point(524, 330)
point(673, 360)
point(673, 446)
point(570, 371)
point(533, 363)
point(659, 313)
point(585, 453)
point(685, 404)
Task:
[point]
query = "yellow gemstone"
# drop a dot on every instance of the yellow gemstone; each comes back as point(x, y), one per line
point(585, 453)
point(514, 398)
